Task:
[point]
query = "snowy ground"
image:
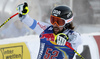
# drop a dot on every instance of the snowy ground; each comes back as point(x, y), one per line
point(33, 42)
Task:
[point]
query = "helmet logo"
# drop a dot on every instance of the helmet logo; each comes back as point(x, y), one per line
point(68, 15)
point(56, 12)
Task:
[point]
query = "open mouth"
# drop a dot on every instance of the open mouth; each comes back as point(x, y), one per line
point(55, 28)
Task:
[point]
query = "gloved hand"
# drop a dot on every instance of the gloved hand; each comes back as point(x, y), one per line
point(23, 8)
point(61, 39)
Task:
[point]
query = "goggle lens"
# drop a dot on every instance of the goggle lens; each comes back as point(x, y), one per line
point(57, 20)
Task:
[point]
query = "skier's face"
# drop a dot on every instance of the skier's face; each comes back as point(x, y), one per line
point(57, 29)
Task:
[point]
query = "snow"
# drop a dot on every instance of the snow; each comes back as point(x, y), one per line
point(33, 42)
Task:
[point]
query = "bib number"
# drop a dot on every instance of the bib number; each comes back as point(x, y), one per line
point(52, 55)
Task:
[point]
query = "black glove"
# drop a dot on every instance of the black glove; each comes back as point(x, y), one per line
point(23, 9)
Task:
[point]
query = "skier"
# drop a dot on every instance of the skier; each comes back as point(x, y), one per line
point(54, 36)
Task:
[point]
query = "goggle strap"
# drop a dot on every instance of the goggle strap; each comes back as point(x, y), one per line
point(69, 20)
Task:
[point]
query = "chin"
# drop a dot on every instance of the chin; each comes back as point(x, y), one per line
point(56, 33)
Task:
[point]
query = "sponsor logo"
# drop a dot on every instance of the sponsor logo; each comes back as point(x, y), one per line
point(49, 37)
point(41, 50)
point(14, 51)
point(68, 14)
point(43, 27)
point(56, 12)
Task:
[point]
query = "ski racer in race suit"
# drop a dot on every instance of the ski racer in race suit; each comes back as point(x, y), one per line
point(54, 36)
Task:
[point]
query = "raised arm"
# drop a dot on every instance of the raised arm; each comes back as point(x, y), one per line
point(26, 19)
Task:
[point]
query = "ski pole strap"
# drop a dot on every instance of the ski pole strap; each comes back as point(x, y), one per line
point(79, 54)
point(8, 19)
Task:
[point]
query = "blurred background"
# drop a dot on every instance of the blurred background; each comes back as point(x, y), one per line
point(86, 15)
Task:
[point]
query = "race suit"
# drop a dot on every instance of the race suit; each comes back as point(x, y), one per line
point(48, 48)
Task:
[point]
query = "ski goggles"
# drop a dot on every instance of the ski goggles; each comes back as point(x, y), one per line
point(59, 21)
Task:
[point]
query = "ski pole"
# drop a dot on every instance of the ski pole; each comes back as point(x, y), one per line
point(8, 19)
point(75, 51)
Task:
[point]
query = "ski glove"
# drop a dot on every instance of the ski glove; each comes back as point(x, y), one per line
point(23, 8)
point(61, 39)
